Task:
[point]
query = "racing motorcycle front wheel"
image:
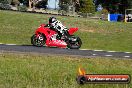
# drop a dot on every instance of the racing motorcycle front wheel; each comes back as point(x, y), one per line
point(74, 42)
point(38, 40)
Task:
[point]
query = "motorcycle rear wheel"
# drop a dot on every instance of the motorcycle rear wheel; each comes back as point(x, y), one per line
point(38, 40)
point(74, 44)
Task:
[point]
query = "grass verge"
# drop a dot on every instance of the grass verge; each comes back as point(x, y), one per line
point(43, 71)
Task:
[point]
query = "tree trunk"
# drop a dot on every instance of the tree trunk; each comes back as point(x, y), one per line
point(30, 4)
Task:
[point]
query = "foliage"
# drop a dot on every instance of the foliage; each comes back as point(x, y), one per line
point(38, 4)
point(86, 6)
point(62, 12)
point(103, 14)
point(15, 2)
point(104, 11)
point(64, 7)
point(5, 6)
point(22, 8)
point(114, 6)
point(127, 3)
point(63, 4)
point(41, 4)
point(5, 1)
point(25, 2)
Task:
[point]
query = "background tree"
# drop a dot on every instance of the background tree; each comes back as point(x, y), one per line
point(115, 6)
point(41, 4)
point(15, 2)
point(63, 3)
point(6, 1)
point(34, 3)
point(24, 2)
point(5, 4)
point(86, 6)
point(76, 4)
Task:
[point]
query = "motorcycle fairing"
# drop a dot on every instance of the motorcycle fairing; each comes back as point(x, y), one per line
point(49, 40)
point(72, 30)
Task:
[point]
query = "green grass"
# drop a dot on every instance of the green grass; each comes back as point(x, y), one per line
point(46, 71)
point(17, 27)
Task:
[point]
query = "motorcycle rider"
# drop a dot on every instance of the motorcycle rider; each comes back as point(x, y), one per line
point(57, 26)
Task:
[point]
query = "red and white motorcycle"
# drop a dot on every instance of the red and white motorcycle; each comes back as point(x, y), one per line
point(44, 36)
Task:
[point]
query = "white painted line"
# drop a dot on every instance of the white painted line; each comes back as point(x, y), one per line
point(10, 44)
point(98, 50)
point(111, 51)
point(94, 54)
point(127, 52)
point(108, 55)
point(83, 49)
point(104, 50)
point(126, 56)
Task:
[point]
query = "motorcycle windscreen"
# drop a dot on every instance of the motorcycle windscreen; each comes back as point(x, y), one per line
point(72, 30)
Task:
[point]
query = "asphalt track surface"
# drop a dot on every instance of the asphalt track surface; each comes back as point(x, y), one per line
point(59, 51)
